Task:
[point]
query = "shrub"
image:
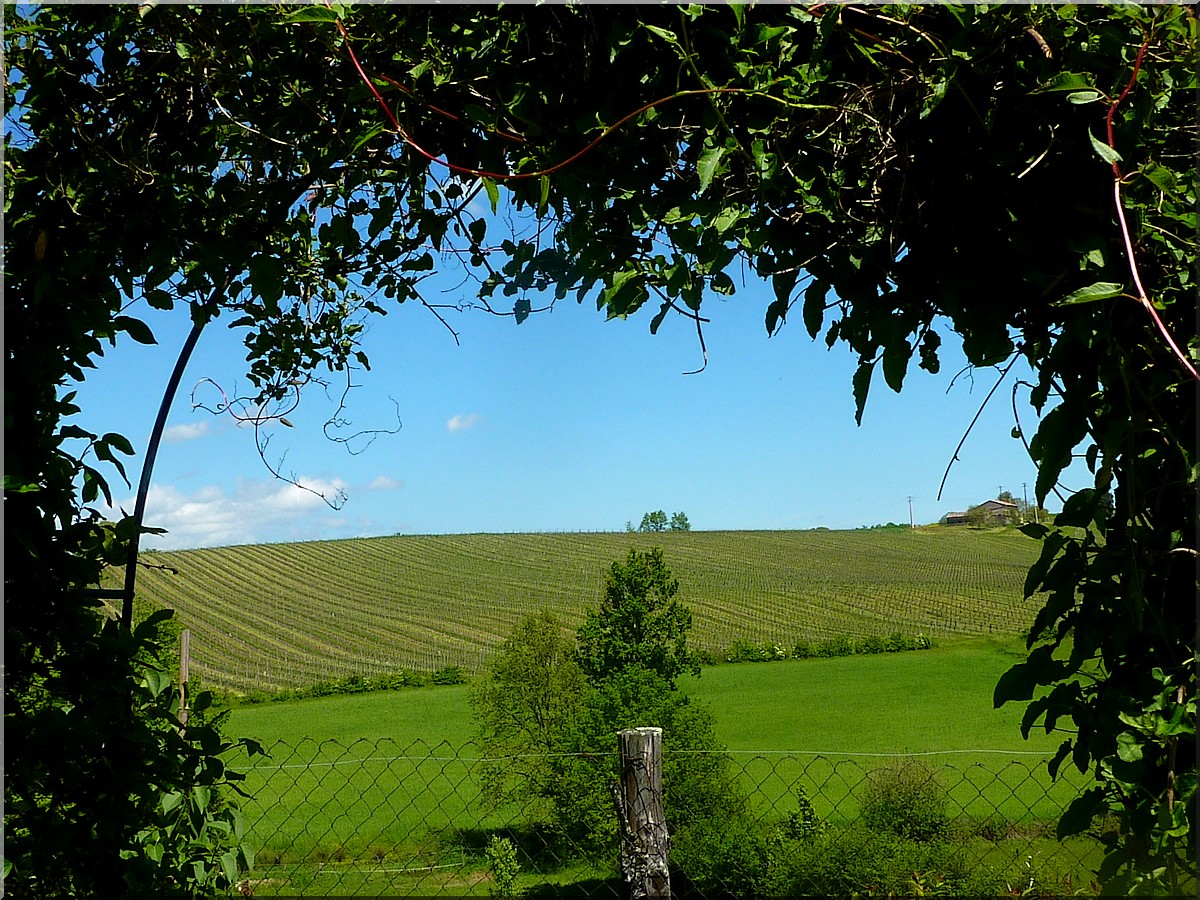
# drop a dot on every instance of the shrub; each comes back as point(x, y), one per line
point(839, 646)
point(719, 858)
point(502, 856)
point(857, 861)
point(448, 675)
point(802, 650)
point(802, 824)
point(872, 644)
point(743, 650)
point(906, 800)
point(897, 642)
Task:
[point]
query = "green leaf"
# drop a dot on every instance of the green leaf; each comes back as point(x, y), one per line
point(544, 199)
point(493, 192)
point(776, 313)
point(1081, 97)
point(369, 135)
point(157, 298)
point(171, 801)
point(1101, 290)
point(313, 13)
point(1064, 81)
point(723, 284)
point(706, 168)
point(1080, 812)
point(1017, 683)
point(521, 310)
point(659, 317)
point(1161, 177)
point(119, 441)
point(895, 364)
point(1105, 152)
point(229, 866)
point(156, 681)
point(814, 306)
point(201, 796)
point(15, 486)
point(667, 36)
point(136, 329)
point(1129, 746)
point(861, 383)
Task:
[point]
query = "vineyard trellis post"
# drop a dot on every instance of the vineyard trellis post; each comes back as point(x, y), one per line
point(185, 652)
point(645, 843)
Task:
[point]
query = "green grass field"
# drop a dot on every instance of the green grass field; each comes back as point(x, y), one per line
point(267, 617)
point(379, 780)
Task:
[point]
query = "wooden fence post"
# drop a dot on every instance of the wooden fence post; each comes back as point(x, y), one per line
point(645, 843)
point(185, 651)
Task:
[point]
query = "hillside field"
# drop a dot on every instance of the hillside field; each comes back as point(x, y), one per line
point(275, 616)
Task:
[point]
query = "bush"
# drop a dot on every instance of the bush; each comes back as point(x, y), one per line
point(831, 647)
point(857, 861)
point(906, 800)
point(448, 675)
point(717, 858)
point(803, 823)
point(502, 856)
point(872, 644)
point(802, 650)
point(743, 650)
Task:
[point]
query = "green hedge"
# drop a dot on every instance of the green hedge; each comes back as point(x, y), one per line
point(768, 651)
point(353, 684)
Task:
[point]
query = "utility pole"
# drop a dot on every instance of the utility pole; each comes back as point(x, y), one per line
point(911, 523)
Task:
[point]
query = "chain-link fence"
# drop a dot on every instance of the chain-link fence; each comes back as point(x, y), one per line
point(374, 818)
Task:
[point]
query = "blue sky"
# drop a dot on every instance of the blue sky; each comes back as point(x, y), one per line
point(566, 422)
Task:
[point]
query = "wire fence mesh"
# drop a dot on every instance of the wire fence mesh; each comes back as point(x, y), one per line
point(373, 818)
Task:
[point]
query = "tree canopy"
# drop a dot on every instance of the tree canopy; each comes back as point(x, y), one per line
point(1022, 173)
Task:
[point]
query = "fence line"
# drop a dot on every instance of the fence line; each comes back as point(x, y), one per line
point(419, 824)
point(613, 754)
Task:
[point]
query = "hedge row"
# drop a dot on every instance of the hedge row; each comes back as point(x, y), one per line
point(355, 684)
point(751, 651)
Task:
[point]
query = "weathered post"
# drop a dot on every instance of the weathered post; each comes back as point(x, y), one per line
point(185, 651)
point(645, 843)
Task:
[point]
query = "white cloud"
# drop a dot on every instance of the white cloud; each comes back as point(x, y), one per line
point(257, 511)
point(461, 423)
point(189, 432)
point(383, 483)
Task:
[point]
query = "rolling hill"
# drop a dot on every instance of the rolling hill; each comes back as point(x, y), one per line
point(273, 616)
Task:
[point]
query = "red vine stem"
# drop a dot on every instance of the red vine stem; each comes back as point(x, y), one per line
point(1120, 206)
point(498, 176)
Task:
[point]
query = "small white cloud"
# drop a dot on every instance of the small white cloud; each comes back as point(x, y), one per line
point(190, 432)
point(461, 423)
point(383, 483)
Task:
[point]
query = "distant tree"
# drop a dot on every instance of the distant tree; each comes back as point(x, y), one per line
point(679, 522)
point(629, 526)
point(640, 623)
point(977, 516)
point(654, 521)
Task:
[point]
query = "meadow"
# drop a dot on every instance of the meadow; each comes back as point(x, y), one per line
point(376, 782)
point(272, 617)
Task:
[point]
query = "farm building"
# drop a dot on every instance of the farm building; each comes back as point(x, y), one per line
point(991, 512)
